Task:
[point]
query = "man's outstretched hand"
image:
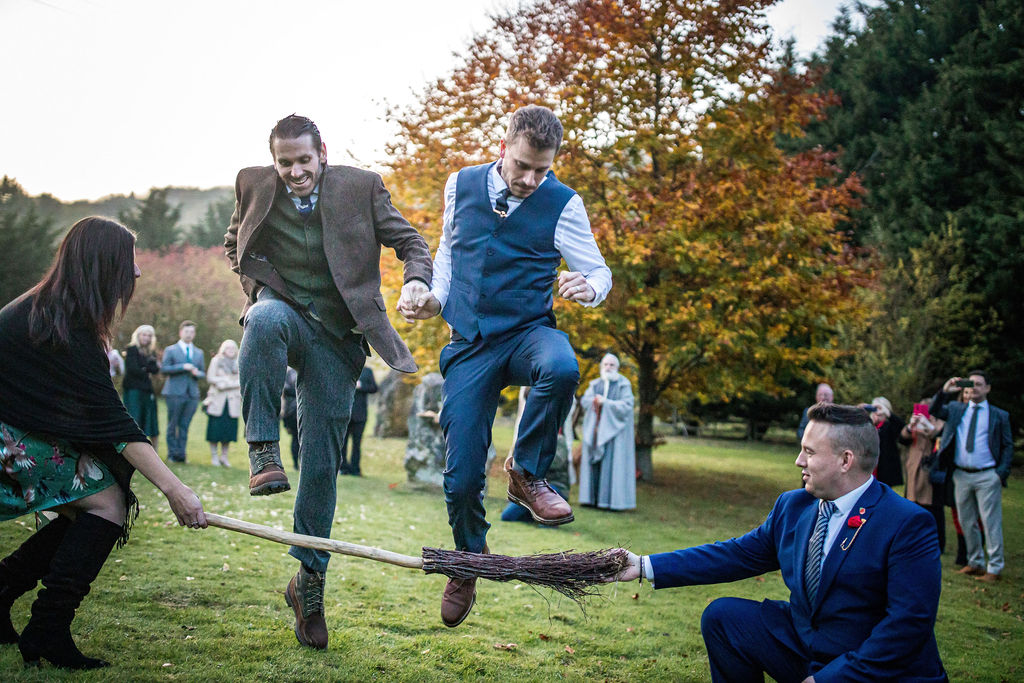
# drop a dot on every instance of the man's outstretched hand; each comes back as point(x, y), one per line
point(633, 568)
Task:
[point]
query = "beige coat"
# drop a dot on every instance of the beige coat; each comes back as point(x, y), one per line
point(224, 390)
point(919, 487)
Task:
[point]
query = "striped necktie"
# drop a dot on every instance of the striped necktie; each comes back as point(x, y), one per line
point(816, 549)
point(306, 205)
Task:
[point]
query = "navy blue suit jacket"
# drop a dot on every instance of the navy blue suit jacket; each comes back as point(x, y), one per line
point(874, 615)
point(1000, 436)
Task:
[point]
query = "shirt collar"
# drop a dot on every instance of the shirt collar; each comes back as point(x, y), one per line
point(845, 502)
point(982, 405)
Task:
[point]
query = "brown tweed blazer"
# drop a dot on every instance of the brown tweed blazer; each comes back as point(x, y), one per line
point(358, 218)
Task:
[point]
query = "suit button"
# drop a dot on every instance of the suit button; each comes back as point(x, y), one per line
point(494, 234)
point(483, 296)
point(490, 252)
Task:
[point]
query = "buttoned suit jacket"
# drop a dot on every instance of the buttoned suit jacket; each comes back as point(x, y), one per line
point(1000, 437)
point(873, 617)
point(357, 218)
point(181, 382)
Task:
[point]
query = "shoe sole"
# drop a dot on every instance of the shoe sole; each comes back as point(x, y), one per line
point(464, 616)
point(537, 518)
point(270, 488)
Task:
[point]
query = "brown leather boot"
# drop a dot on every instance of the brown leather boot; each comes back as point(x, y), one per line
point(305, 595)
point(458, 598)
point(266, 474)
point(537, 496)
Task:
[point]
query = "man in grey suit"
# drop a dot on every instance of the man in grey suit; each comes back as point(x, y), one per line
point(306, 238)
point(183, 365)
point(976, 449)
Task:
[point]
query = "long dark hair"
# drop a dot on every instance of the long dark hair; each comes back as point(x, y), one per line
point(93, 272)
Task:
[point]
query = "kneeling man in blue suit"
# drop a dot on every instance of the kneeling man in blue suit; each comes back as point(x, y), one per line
point(861, 564)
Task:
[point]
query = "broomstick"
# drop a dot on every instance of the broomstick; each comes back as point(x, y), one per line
point(574, 575)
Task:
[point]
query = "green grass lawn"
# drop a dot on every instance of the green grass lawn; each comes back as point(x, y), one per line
point(179, 604)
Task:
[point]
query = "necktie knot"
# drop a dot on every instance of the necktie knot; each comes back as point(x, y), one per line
point(305, 205)
point(501, 203)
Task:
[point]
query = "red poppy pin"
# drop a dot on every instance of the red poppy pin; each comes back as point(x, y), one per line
point(855, 522)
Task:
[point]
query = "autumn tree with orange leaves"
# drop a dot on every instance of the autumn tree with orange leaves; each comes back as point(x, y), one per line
point(730, 269)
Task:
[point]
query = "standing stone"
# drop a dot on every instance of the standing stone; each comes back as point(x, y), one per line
point(393, 401)
point(425, 451)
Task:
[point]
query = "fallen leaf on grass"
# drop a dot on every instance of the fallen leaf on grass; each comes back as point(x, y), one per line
point(391, 486)
point(629, 629)
point(1006, 607)
point(505, 646)
point(166, 664)
point(423, 652)
point(636, 596)
point(570, 650)
point(543, 637)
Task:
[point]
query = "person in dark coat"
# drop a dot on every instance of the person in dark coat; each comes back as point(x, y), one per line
point(889, 425)
point(357, 423)
point(68, 444)
point(139, 364)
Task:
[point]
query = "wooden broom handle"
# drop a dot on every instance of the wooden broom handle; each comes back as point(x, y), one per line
point(314, 542)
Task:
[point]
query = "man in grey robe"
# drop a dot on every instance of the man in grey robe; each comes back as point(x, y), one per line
point(608, 463)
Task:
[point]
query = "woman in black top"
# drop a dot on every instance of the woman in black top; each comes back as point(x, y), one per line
point(139, 363)
point(68, 444)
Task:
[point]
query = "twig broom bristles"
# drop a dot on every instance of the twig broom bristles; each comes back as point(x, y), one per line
point(574, 575)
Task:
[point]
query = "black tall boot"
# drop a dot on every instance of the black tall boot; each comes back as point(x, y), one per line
point(76, 563)
point(20, 570)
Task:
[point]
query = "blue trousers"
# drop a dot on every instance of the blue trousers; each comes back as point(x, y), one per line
point(276, 336)
point(180, 410)
point(741, 648)
point(474, 375)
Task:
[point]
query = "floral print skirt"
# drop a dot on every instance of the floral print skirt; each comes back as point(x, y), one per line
point(38, 472)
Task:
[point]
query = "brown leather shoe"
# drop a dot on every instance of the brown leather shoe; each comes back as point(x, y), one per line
point(971, 570)
point(987, 577)
point(457, 601)
point(537, 496)
point(458, 598)
point(266, 474)
point(305, 595)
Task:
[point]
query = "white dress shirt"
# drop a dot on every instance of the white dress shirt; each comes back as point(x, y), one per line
point(189, 350)
point(982, 455)
point(573, 240)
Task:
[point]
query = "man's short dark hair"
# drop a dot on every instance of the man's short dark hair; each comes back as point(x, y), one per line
point(980, 373)
point(539, 124)
point(850, 428)
point(293, 127)
point(184, 324)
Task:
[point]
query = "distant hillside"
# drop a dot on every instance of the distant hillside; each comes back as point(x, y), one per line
point(193, 202)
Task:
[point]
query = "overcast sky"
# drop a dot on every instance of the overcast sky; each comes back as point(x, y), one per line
point(114, 96)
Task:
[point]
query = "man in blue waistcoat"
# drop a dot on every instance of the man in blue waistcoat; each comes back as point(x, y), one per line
point(507, 226)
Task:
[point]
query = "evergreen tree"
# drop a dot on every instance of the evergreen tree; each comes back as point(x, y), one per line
point(210, 231)
point(155, 220)
point(932, 121)
point(26, 241)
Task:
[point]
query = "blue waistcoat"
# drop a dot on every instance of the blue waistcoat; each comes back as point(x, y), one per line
point(502, 269)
